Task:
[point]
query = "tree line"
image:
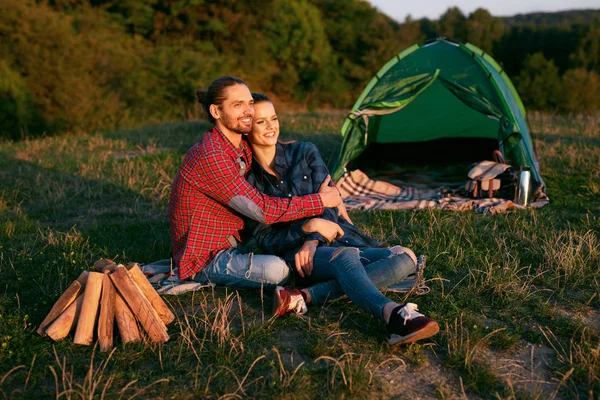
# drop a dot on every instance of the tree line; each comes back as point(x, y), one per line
point(101, 64)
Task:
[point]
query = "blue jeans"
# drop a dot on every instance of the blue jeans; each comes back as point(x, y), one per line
point(358, 273)
point(234, 269)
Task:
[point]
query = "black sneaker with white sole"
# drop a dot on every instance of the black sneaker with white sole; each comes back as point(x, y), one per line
point(406, 325)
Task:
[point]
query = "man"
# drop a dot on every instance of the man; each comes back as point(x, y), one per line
point(210, 192)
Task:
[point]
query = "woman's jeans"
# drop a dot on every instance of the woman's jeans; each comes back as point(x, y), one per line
point(358, 273)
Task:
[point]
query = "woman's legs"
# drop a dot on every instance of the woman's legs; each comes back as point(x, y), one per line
point(388, 266)
point(404, 324)
point(344, 265)
point(384, 267)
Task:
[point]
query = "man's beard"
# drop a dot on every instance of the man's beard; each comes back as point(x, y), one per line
point(234, 125)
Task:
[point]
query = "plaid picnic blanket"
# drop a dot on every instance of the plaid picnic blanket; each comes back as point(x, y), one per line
point(362, 193)
point(165, 279)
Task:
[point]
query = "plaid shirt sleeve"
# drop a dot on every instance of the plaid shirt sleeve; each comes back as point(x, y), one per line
point(220, 180)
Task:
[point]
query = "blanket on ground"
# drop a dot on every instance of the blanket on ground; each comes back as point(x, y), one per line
point(363, 193)
point(165, 279)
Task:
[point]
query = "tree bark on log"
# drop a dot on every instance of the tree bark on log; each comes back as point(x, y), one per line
point(61, 305)
point(60, 328)
point(82, 279)
point(126, 323)
point(140, 306)
point(107, 314)
point(154, 298)
point(84, 334)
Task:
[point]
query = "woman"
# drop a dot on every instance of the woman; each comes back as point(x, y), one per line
point(329, 249)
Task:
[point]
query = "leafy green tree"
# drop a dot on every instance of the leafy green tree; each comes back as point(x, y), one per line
point(557, 43)
point(539, 83)
point(348, 25)
point(16, 107)
point(580, 91)
point(298, 45)
point(180, 20)
point(88, 64)
point(428, 28)
point(362, 39)
point(136, 16)
point(587, 54)
point(43, 44)
point(484, 30)
point(453, 24)
point(409, 33)
point(173, 75)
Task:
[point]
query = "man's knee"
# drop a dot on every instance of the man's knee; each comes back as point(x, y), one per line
point(275, 270)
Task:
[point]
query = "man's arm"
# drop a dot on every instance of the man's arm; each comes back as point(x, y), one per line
point(217, 177)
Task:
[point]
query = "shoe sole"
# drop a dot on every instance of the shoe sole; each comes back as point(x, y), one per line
point(428, 330)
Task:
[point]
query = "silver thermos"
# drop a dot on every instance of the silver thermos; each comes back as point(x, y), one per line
point(523, 186)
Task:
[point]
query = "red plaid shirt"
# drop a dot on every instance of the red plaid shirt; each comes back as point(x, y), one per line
point(209, 185)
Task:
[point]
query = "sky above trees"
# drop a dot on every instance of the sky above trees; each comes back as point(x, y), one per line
point(432, 9)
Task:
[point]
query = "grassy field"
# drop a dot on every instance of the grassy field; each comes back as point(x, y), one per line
point(517, 295)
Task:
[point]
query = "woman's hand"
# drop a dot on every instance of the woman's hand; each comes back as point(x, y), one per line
point(329, 230)
point(342, 212)
point(304, 257)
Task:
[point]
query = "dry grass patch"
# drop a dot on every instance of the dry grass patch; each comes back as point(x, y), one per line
point(570, 257)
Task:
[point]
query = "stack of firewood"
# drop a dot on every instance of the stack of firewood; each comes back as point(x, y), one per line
point(96, 299)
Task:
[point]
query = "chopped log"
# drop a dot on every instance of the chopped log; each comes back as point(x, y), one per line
point(153, 297)
point(128, 328)
point(84, 334)
point(107, 314)
point(60, 328)
point(140, 306)
point(61, 305)
point(82, 279)
point(103, 263)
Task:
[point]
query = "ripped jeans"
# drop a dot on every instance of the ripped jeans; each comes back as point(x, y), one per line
point(358, 273)
point(234, 269)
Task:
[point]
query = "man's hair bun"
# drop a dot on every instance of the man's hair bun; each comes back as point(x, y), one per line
point(201, 95)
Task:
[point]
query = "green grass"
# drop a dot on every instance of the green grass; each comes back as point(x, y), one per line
point(501, 285)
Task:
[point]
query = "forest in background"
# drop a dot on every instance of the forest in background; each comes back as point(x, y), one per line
point(70, 65)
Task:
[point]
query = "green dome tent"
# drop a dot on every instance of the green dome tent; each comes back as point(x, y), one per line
point(441, 99)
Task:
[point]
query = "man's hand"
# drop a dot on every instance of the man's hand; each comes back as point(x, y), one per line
point(329, 230)
point(304, 257)
point(330, 196)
